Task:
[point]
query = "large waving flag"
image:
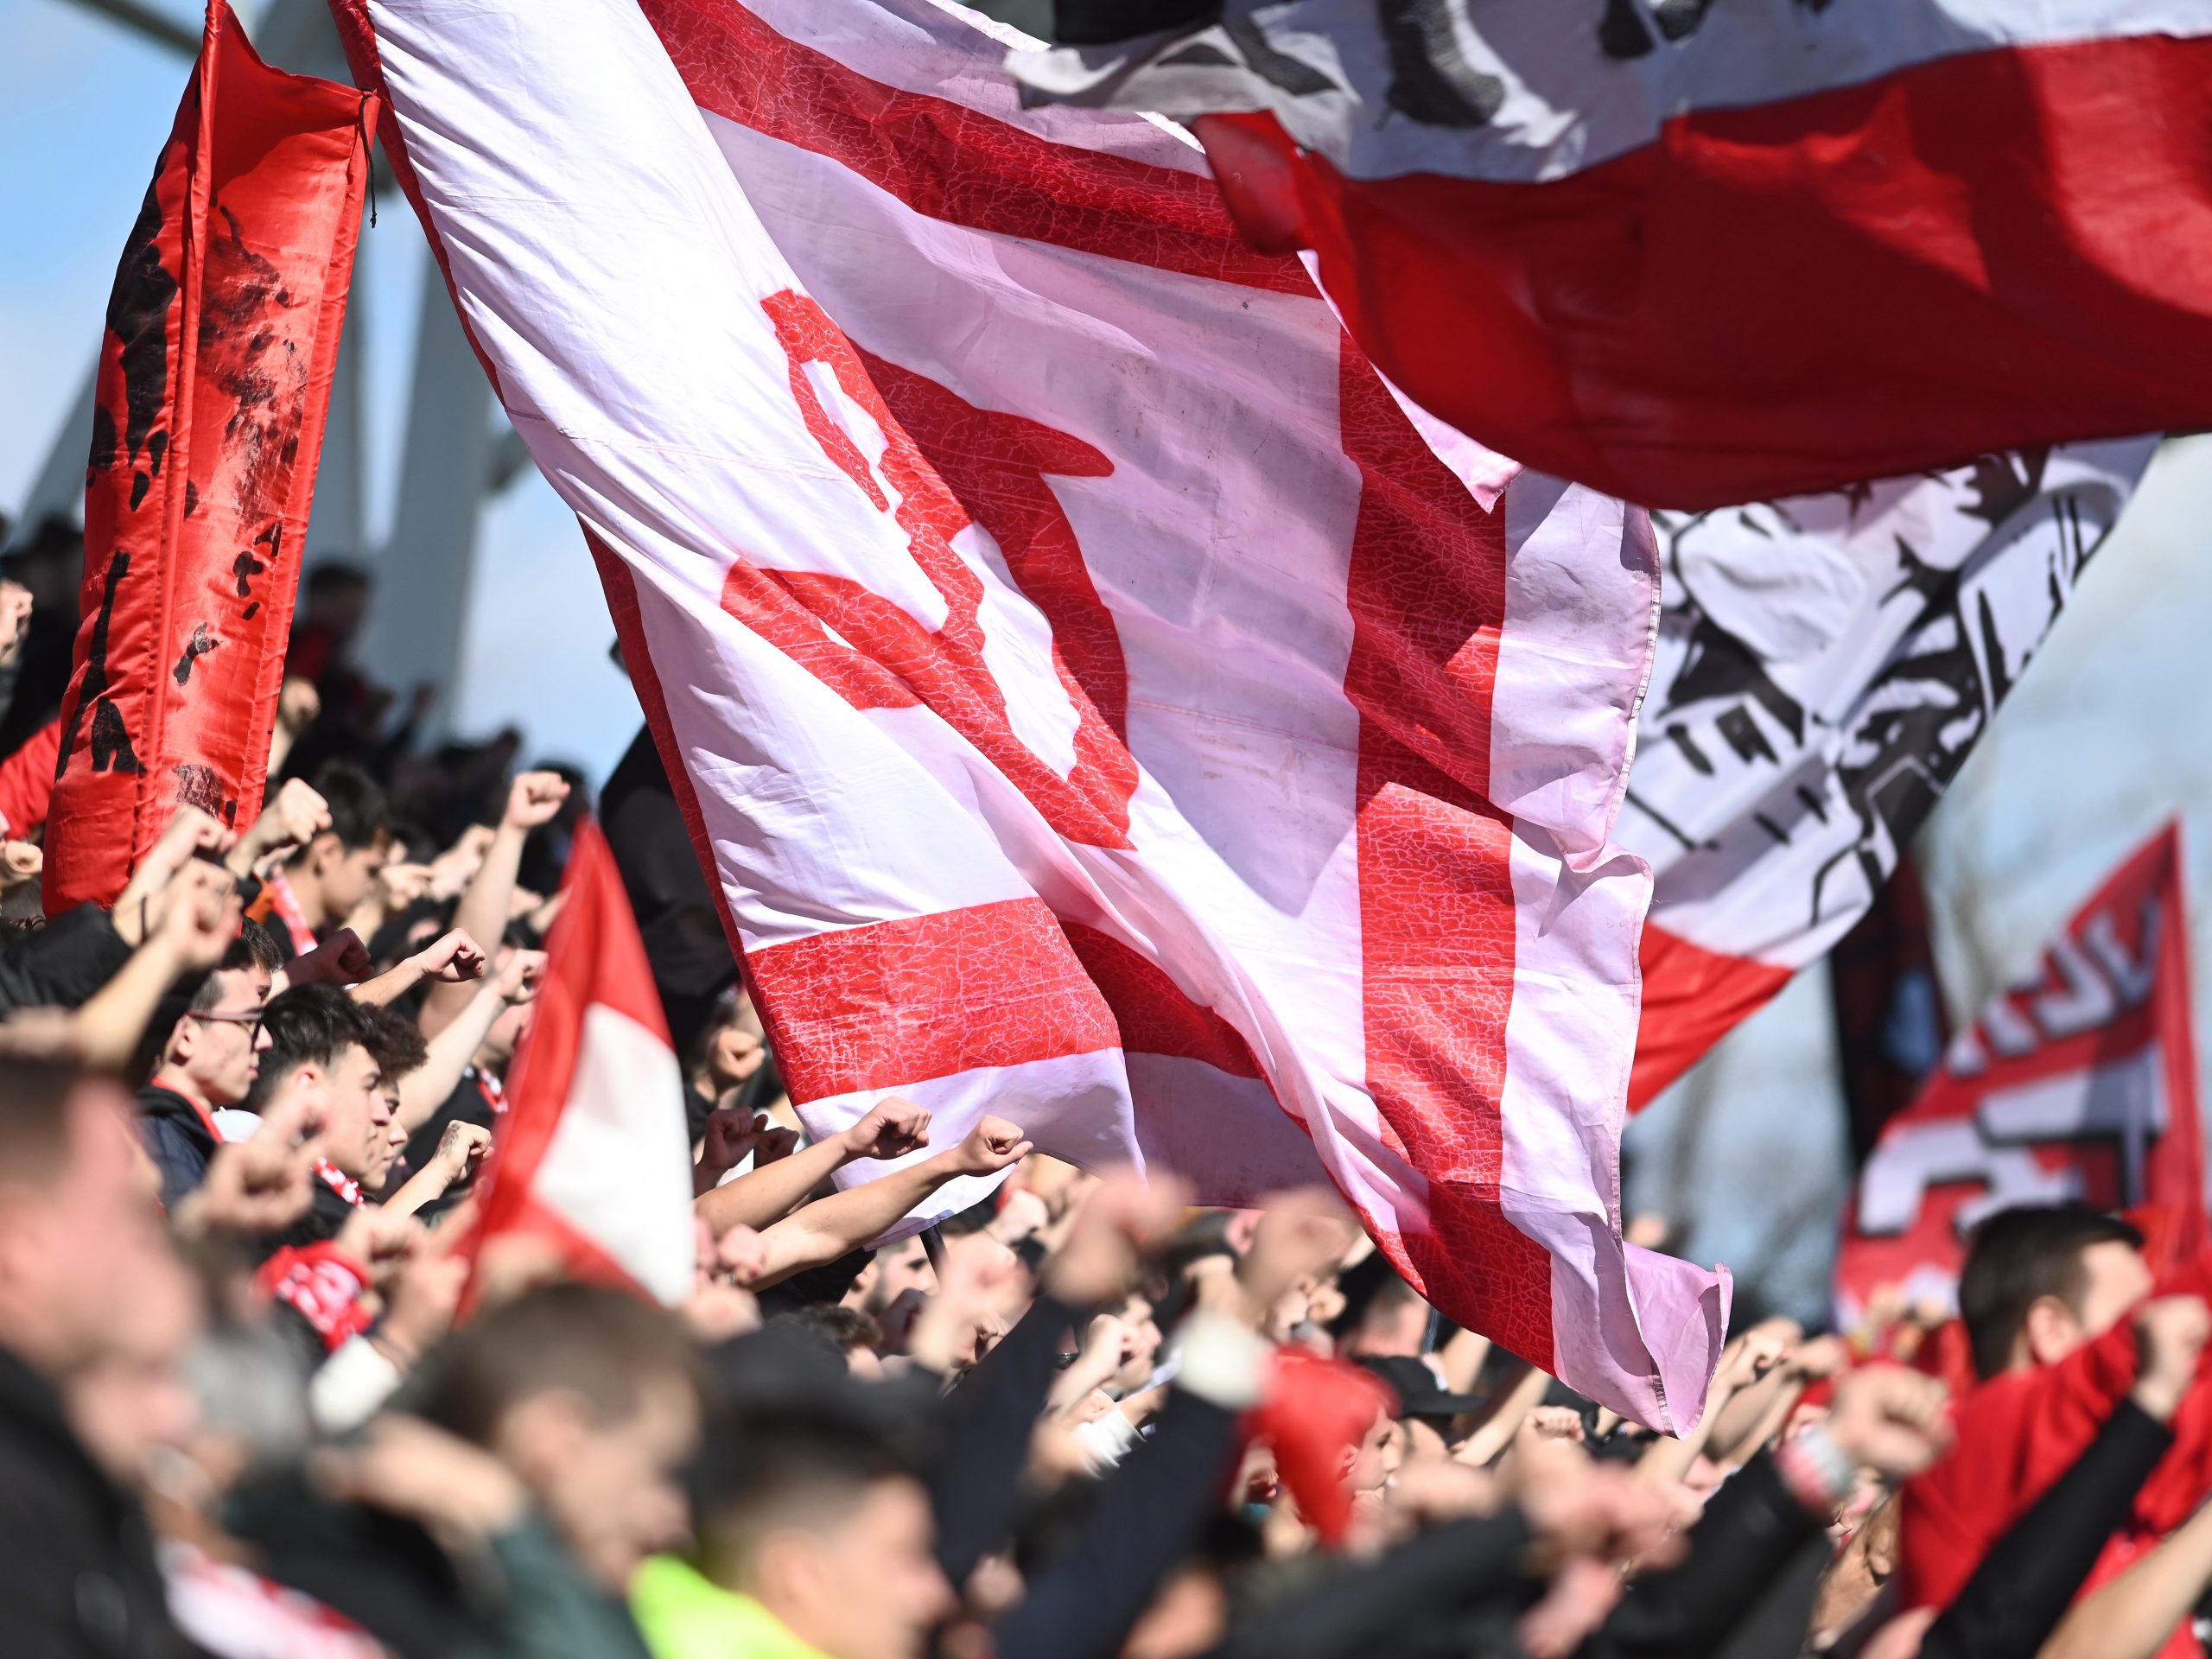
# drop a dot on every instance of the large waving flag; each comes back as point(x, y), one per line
point(1095, 701)
point(2078, 1082)
point(1825, 664)
point(214, 375)
point(1698, 253)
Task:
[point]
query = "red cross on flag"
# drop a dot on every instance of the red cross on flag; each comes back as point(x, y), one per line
point(1095, 702)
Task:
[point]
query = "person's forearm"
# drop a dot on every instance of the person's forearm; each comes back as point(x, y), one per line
point(2133, 1617)
point(1735, 1422)
point(2017, 1596)
point(762, 1197)
point(426, 1185)
point(426, 1088)
point(1769, 1423)
point(388, 987)
point(482, 915)
point(113, 1021)
point(827, 1229)
point(1669, 1460)
point(1502, 1418)
point(1463, 1358)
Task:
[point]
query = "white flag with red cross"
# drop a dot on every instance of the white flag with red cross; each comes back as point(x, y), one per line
point(1095, 702)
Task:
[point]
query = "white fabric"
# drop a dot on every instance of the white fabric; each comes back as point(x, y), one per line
point(1559, 101)
point(617, 1174)
point(612, 248)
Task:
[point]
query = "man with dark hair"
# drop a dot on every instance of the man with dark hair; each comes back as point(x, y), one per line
point(815, 1537)
point(78, 1236)
point(331, 874)
point(206, 1064)
point(590, 1397)
point(2039, 1282)
point(320, 1036)
point(2045, 1297)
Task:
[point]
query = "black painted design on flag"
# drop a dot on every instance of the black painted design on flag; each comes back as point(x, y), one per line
point(109, 736)
point(199, 646)
point(1966, 612)
point(137, 315)
point(1430, 79)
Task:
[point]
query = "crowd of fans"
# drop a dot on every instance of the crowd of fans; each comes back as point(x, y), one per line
point(265, 1394)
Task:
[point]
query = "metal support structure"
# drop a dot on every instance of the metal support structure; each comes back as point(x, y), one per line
point(151, 22)
point(450, 464)
point(420, 617)
point(57, 491)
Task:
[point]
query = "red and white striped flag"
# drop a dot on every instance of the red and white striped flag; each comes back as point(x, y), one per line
point(1097, 704)
point(1698, 253)
point(591, 1160)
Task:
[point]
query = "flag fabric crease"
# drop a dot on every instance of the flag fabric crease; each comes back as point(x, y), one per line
point(1093, 701)
point(1699, 254)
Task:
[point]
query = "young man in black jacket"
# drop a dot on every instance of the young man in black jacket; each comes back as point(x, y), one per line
point(206, 1063)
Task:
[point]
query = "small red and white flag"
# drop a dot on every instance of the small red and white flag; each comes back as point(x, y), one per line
point(1697, 253)
point(2079, 1083)
point(592, 1158)
point(1095, 702)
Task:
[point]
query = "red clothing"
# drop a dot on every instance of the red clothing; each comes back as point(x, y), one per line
point(2018, 1432)
point(27, 781)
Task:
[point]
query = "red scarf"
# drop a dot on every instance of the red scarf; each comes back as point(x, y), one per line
point(338, 1182)
point(285, 904)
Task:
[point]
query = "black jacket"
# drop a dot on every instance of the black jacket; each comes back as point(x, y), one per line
point(78, 1579)
point(177, 1140)
point(62, 963)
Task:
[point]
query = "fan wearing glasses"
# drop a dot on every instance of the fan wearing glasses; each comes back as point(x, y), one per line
point(206, 1064)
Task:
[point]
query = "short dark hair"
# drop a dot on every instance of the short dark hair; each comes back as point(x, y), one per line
point(397, 1041)
point(761, 1472)
point(255, 947)
point(359, 816)
point(309, 1025)
point(606, 1346)
point(2016, 1257)
point(843, 1328)
point(34, 1116)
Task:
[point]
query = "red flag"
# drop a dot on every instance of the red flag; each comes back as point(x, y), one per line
point(592, 1157)
point(2082, 1082)
point(1317, 1413)
point(1696, 254)
point(214, 375)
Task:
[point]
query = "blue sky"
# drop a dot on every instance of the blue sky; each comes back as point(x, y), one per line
point(2106, 738)
point(84, 108)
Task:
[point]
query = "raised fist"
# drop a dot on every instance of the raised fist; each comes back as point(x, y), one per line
point(891, 1128)
point(535, 798)
point(993, 1145)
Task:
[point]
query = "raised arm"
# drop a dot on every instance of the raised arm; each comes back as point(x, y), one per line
point(194, 926)
point(764, 1195)
point(454, 958)
point(425, 1089)
point(294, 816)
point(831, 1227)
point(533, 799)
